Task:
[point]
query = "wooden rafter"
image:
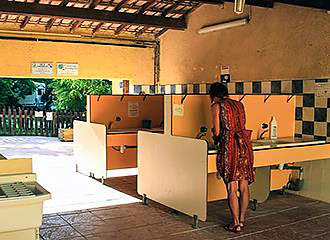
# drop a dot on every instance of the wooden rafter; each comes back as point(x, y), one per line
point(64, 3)
point(160, 33)
point(50, 24)
point(36, 1)
point(97, 28)
point(43, 10)
point(120, 4)
point(174, 6)
point(74, 26)
point(141, 31)
point(146, 6)
point(24, 23)
point(119, 29)
point(94, 3)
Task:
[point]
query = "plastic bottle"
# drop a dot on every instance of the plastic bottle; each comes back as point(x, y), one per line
point(273, 128)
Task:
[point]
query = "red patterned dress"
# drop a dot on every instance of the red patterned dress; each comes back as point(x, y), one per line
point(235, 158)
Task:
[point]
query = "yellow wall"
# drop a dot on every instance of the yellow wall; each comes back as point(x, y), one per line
point(197, 113)
point(285, 42)
point(95, 61)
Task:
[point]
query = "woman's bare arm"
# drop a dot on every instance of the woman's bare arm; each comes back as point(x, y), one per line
point(215, 108)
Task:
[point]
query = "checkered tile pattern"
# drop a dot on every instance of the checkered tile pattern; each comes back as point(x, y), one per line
point(312, 113)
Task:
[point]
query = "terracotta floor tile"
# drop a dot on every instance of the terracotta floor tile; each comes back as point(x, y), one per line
point(94, 227)
point(107, 236)
point(54, 221)
point(82, 217)
point(59, 233)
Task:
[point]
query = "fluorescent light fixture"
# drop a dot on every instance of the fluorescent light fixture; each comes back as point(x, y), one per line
point(224, 25)
point(239, 6)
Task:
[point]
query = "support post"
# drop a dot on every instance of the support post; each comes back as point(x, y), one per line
point(195, 223)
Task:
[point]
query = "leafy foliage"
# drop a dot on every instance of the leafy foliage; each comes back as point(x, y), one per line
point(71, 94)
point(12, 90)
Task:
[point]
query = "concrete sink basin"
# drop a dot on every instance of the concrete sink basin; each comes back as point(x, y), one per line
point(272, 142)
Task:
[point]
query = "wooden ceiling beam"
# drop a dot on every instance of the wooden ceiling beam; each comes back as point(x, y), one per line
point(171, 8)
point(94, 3)
point(140, 31)
point(160, 33)
point(44, 10)
point(97, 28)
point(120, 4)
point(50, 24)
point(74, 26)
point(25, 22)
point(146, 6)
point(119, 29)
point(64, 3)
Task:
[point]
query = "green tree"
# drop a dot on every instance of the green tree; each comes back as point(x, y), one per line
point(12, 90)
point(70, 95)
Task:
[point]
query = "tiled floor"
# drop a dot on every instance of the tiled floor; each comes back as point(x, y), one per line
point(281, 217)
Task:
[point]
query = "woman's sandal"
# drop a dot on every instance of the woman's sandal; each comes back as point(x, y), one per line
point(235, 229)
point(241, 224)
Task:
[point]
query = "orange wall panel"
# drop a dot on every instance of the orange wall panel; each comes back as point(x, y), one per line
point(197, 113)
point(106, 108)
point(117, 160)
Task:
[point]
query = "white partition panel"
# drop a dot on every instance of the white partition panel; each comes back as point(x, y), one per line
point(173, 171)
point(90, 148)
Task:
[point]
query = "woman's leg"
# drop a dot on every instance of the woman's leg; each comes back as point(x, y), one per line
point(244, 199)
point(232, 188)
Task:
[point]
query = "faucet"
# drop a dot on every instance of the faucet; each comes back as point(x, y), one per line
point(263, 126)
point(118, 119)
point(202, 132)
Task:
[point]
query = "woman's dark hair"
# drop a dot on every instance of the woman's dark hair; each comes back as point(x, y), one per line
point(218, 90)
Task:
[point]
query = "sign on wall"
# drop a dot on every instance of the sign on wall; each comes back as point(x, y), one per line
point(178, 110)
point(42, 68)
point(68, 69)
point(225, 74)
point(49, 116)
point(133, 109)
point(39, 114)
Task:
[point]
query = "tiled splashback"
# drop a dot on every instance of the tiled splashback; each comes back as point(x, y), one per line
point(312, 115)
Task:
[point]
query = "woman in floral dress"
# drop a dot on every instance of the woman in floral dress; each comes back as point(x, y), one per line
point(235, 157)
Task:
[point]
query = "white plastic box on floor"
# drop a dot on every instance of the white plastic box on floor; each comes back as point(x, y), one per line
point(21, 204)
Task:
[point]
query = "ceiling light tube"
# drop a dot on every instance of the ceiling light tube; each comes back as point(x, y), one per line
point(225, 25)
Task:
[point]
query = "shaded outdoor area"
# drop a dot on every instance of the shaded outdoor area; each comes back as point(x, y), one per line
point(54, 164)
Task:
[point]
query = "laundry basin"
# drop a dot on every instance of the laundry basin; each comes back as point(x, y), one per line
point(21, 204)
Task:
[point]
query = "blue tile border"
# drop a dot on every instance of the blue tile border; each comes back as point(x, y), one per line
point(184, 88)
point(196, 89)
point(173, 89)
point(297, 87)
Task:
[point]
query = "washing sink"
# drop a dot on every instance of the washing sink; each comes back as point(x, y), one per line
point(212, 148)
point(271, 142)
